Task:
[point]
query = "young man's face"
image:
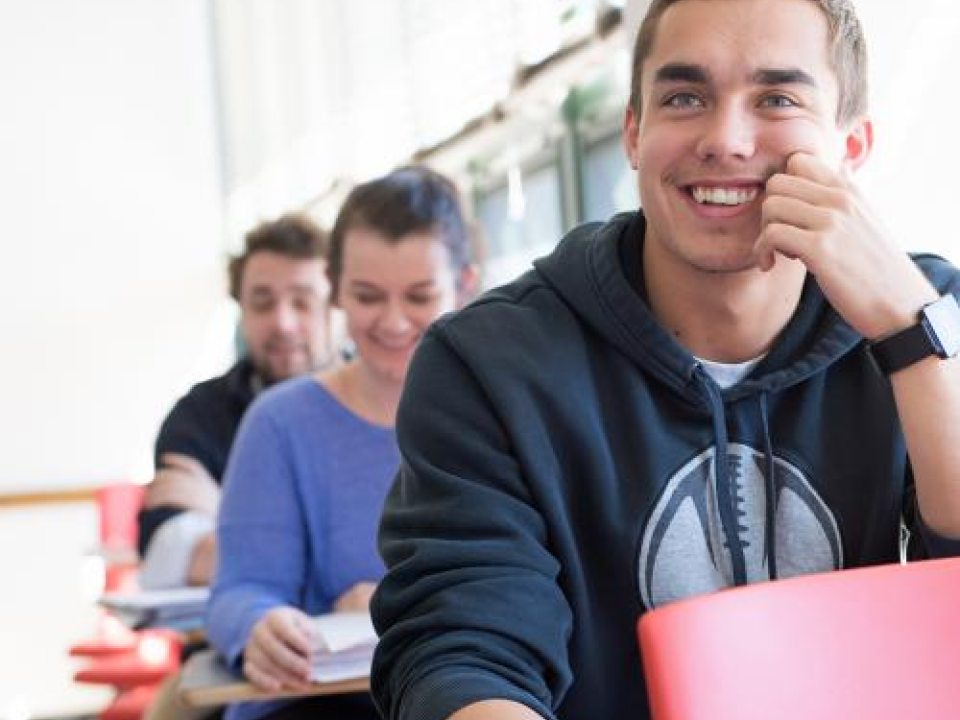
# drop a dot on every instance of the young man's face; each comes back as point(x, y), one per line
point(285, 314)
point(730, 90)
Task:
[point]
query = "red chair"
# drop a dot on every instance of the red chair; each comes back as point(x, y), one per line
point(155, 655)
point(118, 505)
point(137, 674)
point(135, 663)
point(877, 643)
point(132, 704)
point(117, 508)
point(112, 638)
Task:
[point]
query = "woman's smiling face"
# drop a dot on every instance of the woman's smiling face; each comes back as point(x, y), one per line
point(390, 292)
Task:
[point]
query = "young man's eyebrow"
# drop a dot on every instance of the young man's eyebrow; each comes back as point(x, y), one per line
point(681, 72)
point(782, 76)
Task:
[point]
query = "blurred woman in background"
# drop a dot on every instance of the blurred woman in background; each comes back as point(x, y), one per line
point(315, 456)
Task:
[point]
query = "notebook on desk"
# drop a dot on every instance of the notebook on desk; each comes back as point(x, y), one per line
point(348, 641)
point(177, 608)
point(206, 681)
point(877, 643)
point(342, 665)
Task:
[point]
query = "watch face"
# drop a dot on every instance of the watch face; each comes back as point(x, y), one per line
point(943, 320)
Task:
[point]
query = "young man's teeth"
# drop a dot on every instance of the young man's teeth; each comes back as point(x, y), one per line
point(724, 196)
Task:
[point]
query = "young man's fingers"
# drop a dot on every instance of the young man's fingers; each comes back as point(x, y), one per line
point(805, 165)
point(803, 189)
point(791, 211)
point(187, 464)
point(787, 240)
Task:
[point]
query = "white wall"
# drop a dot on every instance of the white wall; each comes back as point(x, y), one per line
point(912, 177)
point(111, 294)
point(45, 606)
point(110, 279)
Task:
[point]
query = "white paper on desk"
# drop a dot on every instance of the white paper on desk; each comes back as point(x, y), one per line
point(348, 641)
point(347, 664)
point(178, 608)
point(339, 631)
point(182, 597)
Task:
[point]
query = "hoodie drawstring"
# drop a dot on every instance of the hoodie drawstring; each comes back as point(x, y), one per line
point(727, 501)
point(771, 489)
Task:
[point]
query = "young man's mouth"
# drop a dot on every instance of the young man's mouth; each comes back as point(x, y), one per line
point(722, 199)
point(729, 196)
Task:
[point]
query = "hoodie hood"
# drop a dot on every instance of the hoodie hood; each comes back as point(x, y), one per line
point(587, 271)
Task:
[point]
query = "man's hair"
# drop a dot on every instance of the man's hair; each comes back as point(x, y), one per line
point(293, 235)
point(847, 50)
point(411, 199)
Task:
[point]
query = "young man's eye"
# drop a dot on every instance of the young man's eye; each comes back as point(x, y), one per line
point(684, 101)
point(777, 101)
point(367, 299)
point(261, 305)
point(304, 305)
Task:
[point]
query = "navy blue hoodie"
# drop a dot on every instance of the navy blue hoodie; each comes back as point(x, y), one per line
point(561, 474)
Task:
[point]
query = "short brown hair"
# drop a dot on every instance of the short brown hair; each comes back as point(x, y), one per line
point(293, 235)
point(847, 53)
point(411, 199)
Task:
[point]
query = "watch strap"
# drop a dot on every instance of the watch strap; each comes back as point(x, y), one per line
point(902, 349)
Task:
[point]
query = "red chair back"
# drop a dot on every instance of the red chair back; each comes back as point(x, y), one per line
point(878, 643)
point(118, 506)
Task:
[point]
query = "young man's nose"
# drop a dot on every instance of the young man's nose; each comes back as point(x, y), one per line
point(285, 318)
point(728, 132)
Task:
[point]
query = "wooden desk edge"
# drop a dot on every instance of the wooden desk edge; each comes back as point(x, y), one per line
point(241, 691)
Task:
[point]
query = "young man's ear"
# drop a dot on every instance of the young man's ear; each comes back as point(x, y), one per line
point(859, 143)
point(631, 123)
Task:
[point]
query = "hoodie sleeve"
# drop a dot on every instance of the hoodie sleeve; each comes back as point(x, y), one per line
point(470, 608)
point(922, 542)
point(260, 535)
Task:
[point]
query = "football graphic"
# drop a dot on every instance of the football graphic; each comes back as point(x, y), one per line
point(684, 551)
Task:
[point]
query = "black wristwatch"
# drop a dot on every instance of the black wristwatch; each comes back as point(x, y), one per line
point(936, 333)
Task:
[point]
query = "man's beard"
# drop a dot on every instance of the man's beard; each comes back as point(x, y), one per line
point(315, 362)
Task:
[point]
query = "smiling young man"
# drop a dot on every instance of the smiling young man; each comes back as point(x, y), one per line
point(747, 380)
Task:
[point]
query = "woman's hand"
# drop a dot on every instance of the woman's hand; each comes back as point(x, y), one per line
point(356, 599)
point(278, 653)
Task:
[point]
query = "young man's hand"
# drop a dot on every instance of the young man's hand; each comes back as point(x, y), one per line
point(816, 215)
point(183, 482)
point(278, 653)
point(203, 561)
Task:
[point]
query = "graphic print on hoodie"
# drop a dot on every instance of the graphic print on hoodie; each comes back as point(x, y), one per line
point(684, 550)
